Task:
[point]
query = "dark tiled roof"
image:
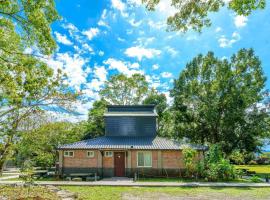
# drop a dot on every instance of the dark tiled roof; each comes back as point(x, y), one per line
point(143, 143)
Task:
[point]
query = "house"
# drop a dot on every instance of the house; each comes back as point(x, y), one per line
point(130, 146)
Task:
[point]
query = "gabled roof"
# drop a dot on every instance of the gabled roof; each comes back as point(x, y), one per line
point(142, 143)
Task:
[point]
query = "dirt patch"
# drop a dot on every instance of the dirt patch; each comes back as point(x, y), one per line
point(185, 196)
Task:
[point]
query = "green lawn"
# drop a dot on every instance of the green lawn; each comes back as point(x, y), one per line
point(132, 193)
point(259, 169)
point(24, 193)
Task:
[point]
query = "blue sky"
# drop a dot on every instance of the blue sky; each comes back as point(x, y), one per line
point(99, 38)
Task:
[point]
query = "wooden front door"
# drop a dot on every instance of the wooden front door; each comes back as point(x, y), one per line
point(119, 163)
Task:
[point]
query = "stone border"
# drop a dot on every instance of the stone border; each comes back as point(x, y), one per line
point(63, 194)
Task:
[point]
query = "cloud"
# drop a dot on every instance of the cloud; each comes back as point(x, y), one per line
point(135, 24)
point(87, 47)
point(155, 66)
point(123, 67)
point(101, 53)
point(240, 21)
point(171, 51)
point(103, 17)
point(166, 75)
point(140, 52)
point(91, 33)
point(62, 39)
point(224, 42)
point(119, 5)
point(72, 65)
point(100, 73)
point(218, 29)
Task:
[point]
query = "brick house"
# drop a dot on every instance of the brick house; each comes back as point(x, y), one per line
point(130, 145)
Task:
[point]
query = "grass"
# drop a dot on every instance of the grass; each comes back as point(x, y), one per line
point(26, 193)
point(259, 169)
point(202, 193)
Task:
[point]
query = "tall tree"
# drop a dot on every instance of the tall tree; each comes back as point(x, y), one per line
point(124, 90)
point(216, 101)
point(95, 123)
point(194, 13)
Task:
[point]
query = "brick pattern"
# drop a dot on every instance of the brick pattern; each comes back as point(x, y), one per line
point(170, 160)
point(80, 159)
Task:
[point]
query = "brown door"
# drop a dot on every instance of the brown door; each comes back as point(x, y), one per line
point(119, 163)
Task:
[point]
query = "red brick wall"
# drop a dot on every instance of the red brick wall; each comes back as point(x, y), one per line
point(170, 159)
point(80, 159)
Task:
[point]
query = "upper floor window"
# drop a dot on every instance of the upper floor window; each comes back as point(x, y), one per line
point(68, 153)
point(144, 159)
point(90, 154)
point(108, 153)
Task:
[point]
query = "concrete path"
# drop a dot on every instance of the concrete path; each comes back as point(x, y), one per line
point(142, 184)
point(9, 177)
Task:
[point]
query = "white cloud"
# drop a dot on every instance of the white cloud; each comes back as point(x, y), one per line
point(62, 39)
point(101, 53)
point(87, 47)
point(119, 5)
point(166, 75)
point(157, 25)
point(72, 65)
point(101, 73)
point(171, 51)
point(224, 42)
point(164, 7)
point(155, 66)
point(102, 21)
point(240, 21)
point(135, 24)
point(140, 52)
point(91, 33)
point(218, 29)
point(121, 39)
point(123, 67)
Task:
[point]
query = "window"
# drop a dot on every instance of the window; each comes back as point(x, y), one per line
point(144, 159)
point(108, 153)
point(90, 154)
point(68, 153)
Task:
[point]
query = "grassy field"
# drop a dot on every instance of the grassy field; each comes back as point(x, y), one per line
point(23, 193)
point(168, 193)
point(259, 169)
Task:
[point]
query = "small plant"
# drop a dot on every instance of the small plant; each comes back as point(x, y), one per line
point(252, 162)
point(256, 179)
point(27, 173)
point(189, 160)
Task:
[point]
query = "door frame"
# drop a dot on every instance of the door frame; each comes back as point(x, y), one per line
point(114, 154)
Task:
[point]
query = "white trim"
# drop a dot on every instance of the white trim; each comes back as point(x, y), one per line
point(68, 154)
point(143, 161)
point(108, 152)
point(90, 156)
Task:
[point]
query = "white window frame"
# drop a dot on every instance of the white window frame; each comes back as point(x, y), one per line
point(108, 154)
point(68, 154)
point(90, 154)
point(150, 152)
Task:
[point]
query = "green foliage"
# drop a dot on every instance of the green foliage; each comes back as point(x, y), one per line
point(27, 173)
point(256, 179)
point(217, 167)
point(212, 97)
point(123, 90)
point(39, 145)
point(237, 157)
point(189, 155)
point(32, 20)
point(95, 123)
point(193, 14)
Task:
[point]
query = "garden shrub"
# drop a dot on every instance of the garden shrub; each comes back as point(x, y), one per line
point(217, 167)
point(252, 162)
point(237, 157)
point(256, 179)
point(189, 155)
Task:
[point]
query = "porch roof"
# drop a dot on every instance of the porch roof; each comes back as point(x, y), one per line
point(141, 143)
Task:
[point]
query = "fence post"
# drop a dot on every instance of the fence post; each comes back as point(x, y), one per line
point(95, 176)
point(135, 177)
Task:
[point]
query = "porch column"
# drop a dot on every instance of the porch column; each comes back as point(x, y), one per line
point(100, 162)
point(60, 153)
point(128, 168)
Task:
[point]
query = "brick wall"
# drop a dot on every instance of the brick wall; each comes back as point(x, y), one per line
point(81, 160)
point(169, 159)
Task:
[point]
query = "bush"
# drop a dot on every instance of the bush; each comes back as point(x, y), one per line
point(189, 155)
point(237, 158)
point(256, 179)
point(217, 167)
point(252, 162)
